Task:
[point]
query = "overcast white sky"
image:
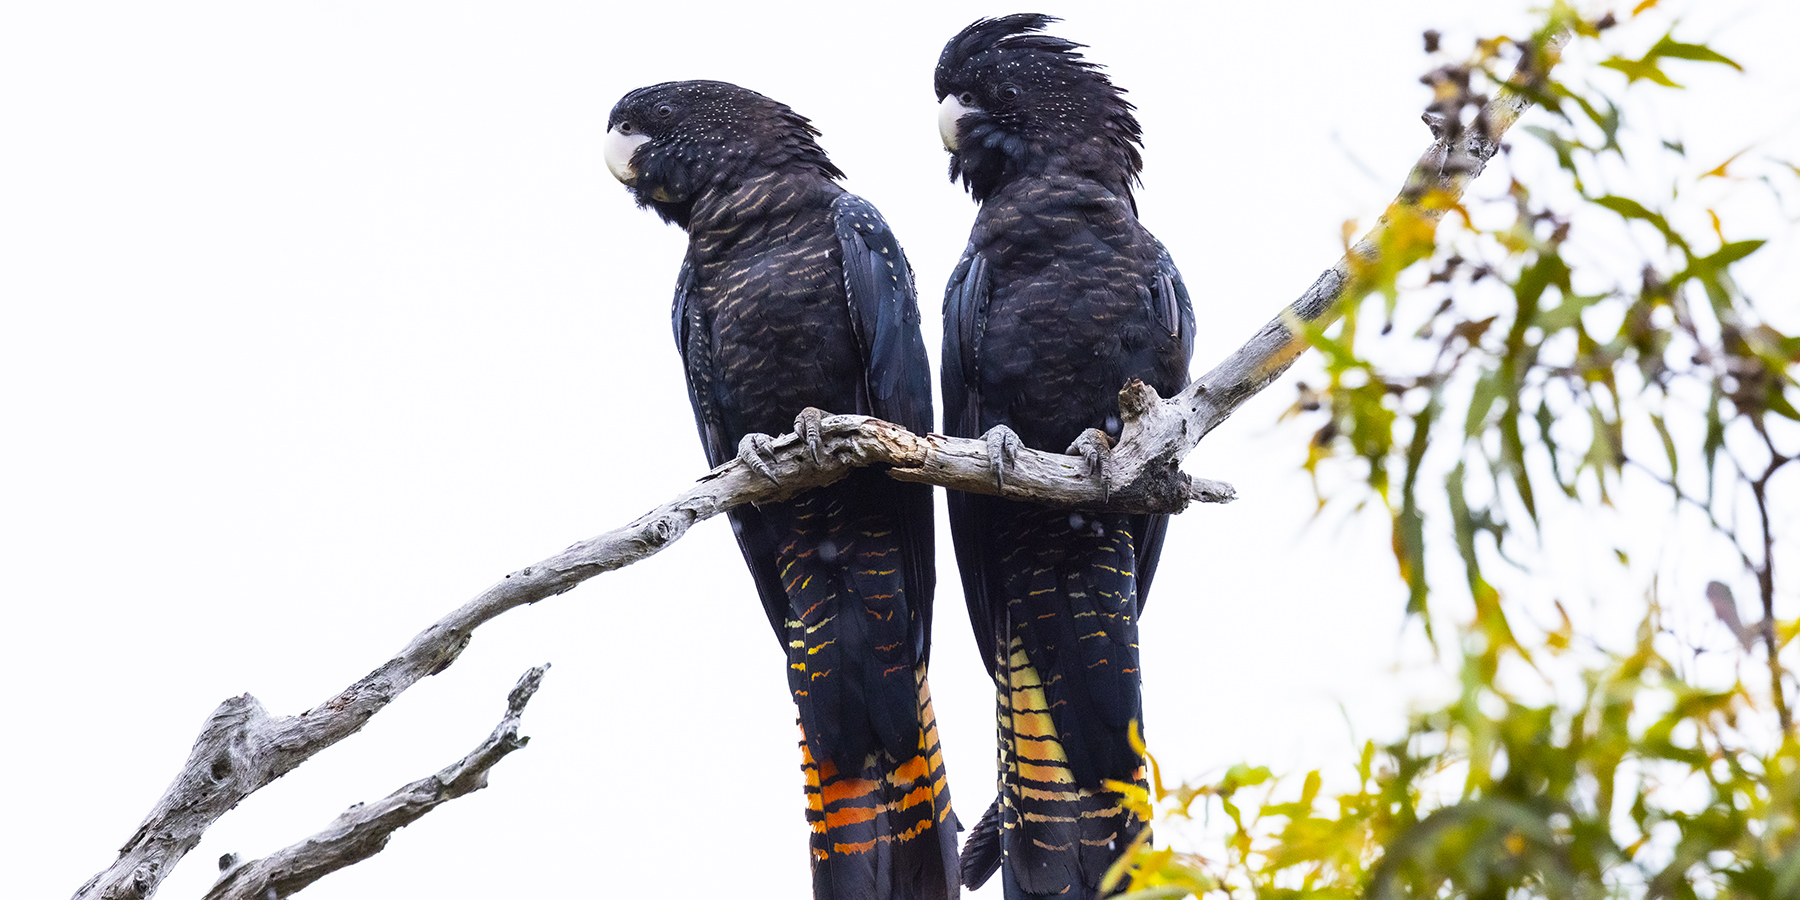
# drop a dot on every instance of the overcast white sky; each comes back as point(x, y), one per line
point(319, 318)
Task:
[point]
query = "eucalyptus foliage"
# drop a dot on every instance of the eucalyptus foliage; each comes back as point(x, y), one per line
point(1486, 369)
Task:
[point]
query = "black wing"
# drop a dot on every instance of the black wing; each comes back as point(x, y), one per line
point(1170, 303)
point(754, 536)
point(693, 339)
point(965, 313)
point(884, 305)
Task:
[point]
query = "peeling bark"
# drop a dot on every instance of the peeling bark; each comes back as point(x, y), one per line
point(363, 830)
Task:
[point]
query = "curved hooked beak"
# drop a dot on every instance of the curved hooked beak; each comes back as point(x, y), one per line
point(619, 147)
point(950, 112)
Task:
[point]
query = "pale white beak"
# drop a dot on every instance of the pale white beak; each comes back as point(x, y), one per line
point(949, 113)
point(618, 147)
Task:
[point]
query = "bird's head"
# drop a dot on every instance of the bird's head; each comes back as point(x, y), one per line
point(671, 143)
point(1014, 102)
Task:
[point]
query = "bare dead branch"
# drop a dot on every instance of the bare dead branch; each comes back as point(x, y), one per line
point(242, 748)
point(363, 830)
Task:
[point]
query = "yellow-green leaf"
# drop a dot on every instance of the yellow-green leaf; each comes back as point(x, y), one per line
point(1640, 70)
point(1669, 47)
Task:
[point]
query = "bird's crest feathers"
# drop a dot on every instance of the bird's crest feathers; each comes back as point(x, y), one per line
point(1036, 107)
point(1018, 30)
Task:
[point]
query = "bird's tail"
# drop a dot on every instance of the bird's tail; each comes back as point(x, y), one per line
point(886, 831)
point(1075, 831)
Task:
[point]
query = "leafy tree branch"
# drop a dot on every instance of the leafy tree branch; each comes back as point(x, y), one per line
point(1493, 369)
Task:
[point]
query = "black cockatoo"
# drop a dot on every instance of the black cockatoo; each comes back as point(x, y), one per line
point(795, 294)
point(1061, 297)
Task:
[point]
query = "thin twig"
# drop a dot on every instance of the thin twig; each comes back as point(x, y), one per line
point(1765, 578)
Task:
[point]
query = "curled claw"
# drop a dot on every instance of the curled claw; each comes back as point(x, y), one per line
point(1002, 450)
point(754, 451)
point(1093, 446)
point(810, 426)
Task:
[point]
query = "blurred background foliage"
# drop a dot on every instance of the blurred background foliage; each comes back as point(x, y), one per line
point(1569, 337)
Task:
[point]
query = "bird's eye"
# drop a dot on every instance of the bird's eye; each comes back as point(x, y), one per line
point(966, 98)
point(626, 127)
point(1008, 93)
point(664, 111)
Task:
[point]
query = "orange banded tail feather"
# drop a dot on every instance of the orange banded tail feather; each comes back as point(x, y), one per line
point(885, 832)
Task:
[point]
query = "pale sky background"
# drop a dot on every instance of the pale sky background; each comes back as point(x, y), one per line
point(319, 318)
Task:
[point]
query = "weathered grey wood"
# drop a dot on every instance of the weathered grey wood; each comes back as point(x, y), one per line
point(363, 830)
point(242, 748)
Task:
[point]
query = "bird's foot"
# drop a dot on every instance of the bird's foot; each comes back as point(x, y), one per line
point(810, 426)
point(1002, 451)
point(754, 452)
point(1093, 446)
